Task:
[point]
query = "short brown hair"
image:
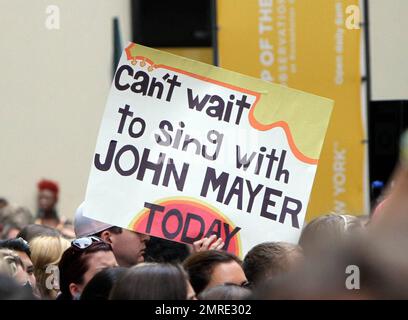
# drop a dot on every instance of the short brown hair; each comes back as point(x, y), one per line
point(151, 281)
point(269, 259)
point(200, 266)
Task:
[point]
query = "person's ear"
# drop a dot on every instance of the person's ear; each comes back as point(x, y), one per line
point(75, 290)
point(144, 237)
point(106, 236)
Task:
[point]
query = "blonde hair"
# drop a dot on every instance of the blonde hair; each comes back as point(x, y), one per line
point(46, 251)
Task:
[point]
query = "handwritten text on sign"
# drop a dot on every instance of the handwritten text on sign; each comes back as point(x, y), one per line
point(178, 157)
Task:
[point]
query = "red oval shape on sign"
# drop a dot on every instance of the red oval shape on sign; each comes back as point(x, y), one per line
point(186, 220)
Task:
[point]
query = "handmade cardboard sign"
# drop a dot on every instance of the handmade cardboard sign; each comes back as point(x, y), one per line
point(186, 150)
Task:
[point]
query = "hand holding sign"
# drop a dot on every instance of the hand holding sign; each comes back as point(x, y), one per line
point(211, 243)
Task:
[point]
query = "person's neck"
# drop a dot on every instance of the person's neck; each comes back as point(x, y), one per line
point(48, 213)
point(49, 217)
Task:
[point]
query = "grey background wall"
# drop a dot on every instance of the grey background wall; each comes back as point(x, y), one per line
point(389, 49)
point(53, 87)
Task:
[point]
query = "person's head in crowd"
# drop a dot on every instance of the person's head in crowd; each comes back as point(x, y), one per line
point(153, 281)
point(11, 290)
point(80, 262)
point(46, 252)
point(359, 268)
point(162, 250)
point(3, 203)
point(269, 259)
point(333, 228)
point(211, 268)
point(128, 246)
point(9, 231)
point(22, 249)
point(47, 201)
point(101, 284)
point(9, 266)
point(225, 292)
point(12, 266)
point(31, 231)
point(67, 229)
point(13, 219)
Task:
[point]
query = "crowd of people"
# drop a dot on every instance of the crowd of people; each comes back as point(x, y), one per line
point(339, 256)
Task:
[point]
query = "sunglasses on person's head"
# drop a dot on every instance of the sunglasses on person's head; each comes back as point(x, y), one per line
point(83, 243)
